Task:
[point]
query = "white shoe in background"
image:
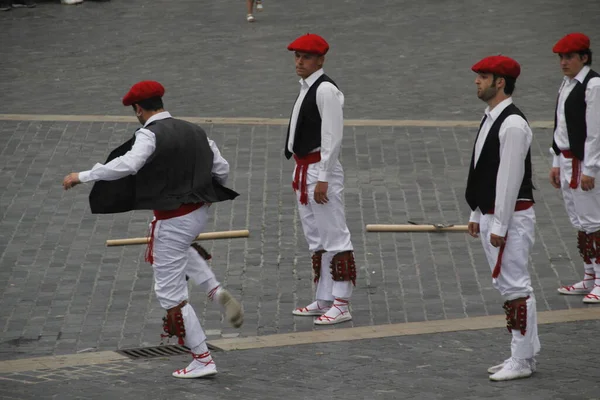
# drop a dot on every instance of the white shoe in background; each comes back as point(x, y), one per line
point(513, 368)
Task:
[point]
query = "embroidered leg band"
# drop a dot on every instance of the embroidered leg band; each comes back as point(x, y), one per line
point(516, 314)
point(316, 264)
point(343, 267)
point(595, 238)
point(173, 323)
point(585, 245)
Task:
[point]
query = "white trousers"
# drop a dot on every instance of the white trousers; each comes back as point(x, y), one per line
point(514, 281)
point(173, 260)
point(583, 208)
point(325, 228)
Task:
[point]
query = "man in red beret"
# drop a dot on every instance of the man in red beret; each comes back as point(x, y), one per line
point(171, 167)
point(576, 152)
point(500, 195)
point(314, 138)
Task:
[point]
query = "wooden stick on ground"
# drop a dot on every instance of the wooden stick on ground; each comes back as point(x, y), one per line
point(416, 228)
point(202, 236)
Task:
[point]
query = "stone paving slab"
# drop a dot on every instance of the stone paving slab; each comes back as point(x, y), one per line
point(62, 290)
point(396, 59)
point(437, 366)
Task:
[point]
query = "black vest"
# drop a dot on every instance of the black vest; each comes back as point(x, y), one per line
point(308, 126)
point(481, 184)
point(575, 108)
point(178, 172)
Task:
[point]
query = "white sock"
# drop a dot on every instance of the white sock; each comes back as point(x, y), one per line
point(597, 272)
point(589, 269)
point(213, 287)
point(201, 355)
point(200, 349)
point(324, 303)
point(341, 304)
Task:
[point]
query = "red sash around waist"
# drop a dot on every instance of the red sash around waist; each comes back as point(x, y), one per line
point(576, 168)
point(302, 164)
point(520, 206)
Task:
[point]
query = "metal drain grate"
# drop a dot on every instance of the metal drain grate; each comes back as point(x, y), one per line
point(156, 351)
point(167, 350)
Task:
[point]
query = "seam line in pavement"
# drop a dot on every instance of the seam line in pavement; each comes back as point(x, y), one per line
point(319, 336)
point(260, 121)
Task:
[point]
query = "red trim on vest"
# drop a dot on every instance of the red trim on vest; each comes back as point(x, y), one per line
point(299, 182)
point(184, 209)
point(576, 166)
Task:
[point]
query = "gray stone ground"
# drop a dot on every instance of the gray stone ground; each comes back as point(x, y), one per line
point(439, 366)
point(394, 58)
point(62, 290)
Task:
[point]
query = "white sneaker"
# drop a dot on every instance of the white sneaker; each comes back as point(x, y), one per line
point(594, 296)
point(259, 6)
point(311, 310)
point(583, 287)
point(513, 368)
point(496, 368)
point(69, 2)
point(250, 18)
point(197, 369)
point(232, 307)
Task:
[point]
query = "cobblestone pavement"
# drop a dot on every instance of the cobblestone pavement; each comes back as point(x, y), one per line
point(438, 366)
point(395, 59)
point(63, 290)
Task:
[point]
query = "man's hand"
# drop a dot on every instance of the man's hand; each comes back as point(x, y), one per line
point(473, 229)
point(587, 182)
point(497, 241)
point(71, 180)
point(555, 177)
point(321, 192)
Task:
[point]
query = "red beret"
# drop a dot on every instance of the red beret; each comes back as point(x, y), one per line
point(310, 43)
point(572, 43)
point(499, 65)
point(142, 91)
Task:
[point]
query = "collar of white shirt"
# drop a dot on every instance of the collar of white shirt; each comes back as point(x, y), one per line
point(308, 82)
point(580, 76)
point(156, 117)
point(496, 111)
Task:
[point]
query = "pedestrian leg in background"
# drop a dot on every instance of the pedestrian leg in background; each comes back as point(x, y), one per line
point(249, 8)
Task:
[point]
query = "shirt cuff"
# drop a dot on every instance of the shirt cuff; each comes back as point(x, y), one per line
point(498, 229)
point(84, 176)
point(475, 216)
point(323, 176)
point(555, 161)
point(590, 171)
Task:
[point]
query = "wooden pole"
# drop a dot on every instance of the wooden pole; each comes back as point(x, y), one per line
point(417, 228)
point(202, 236)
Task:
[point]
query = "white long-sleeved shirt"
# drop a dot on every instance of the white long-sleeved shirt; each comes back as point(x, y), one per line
point(143, 147)
point(330, 102)
point(515, 139)
point(591, 162)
